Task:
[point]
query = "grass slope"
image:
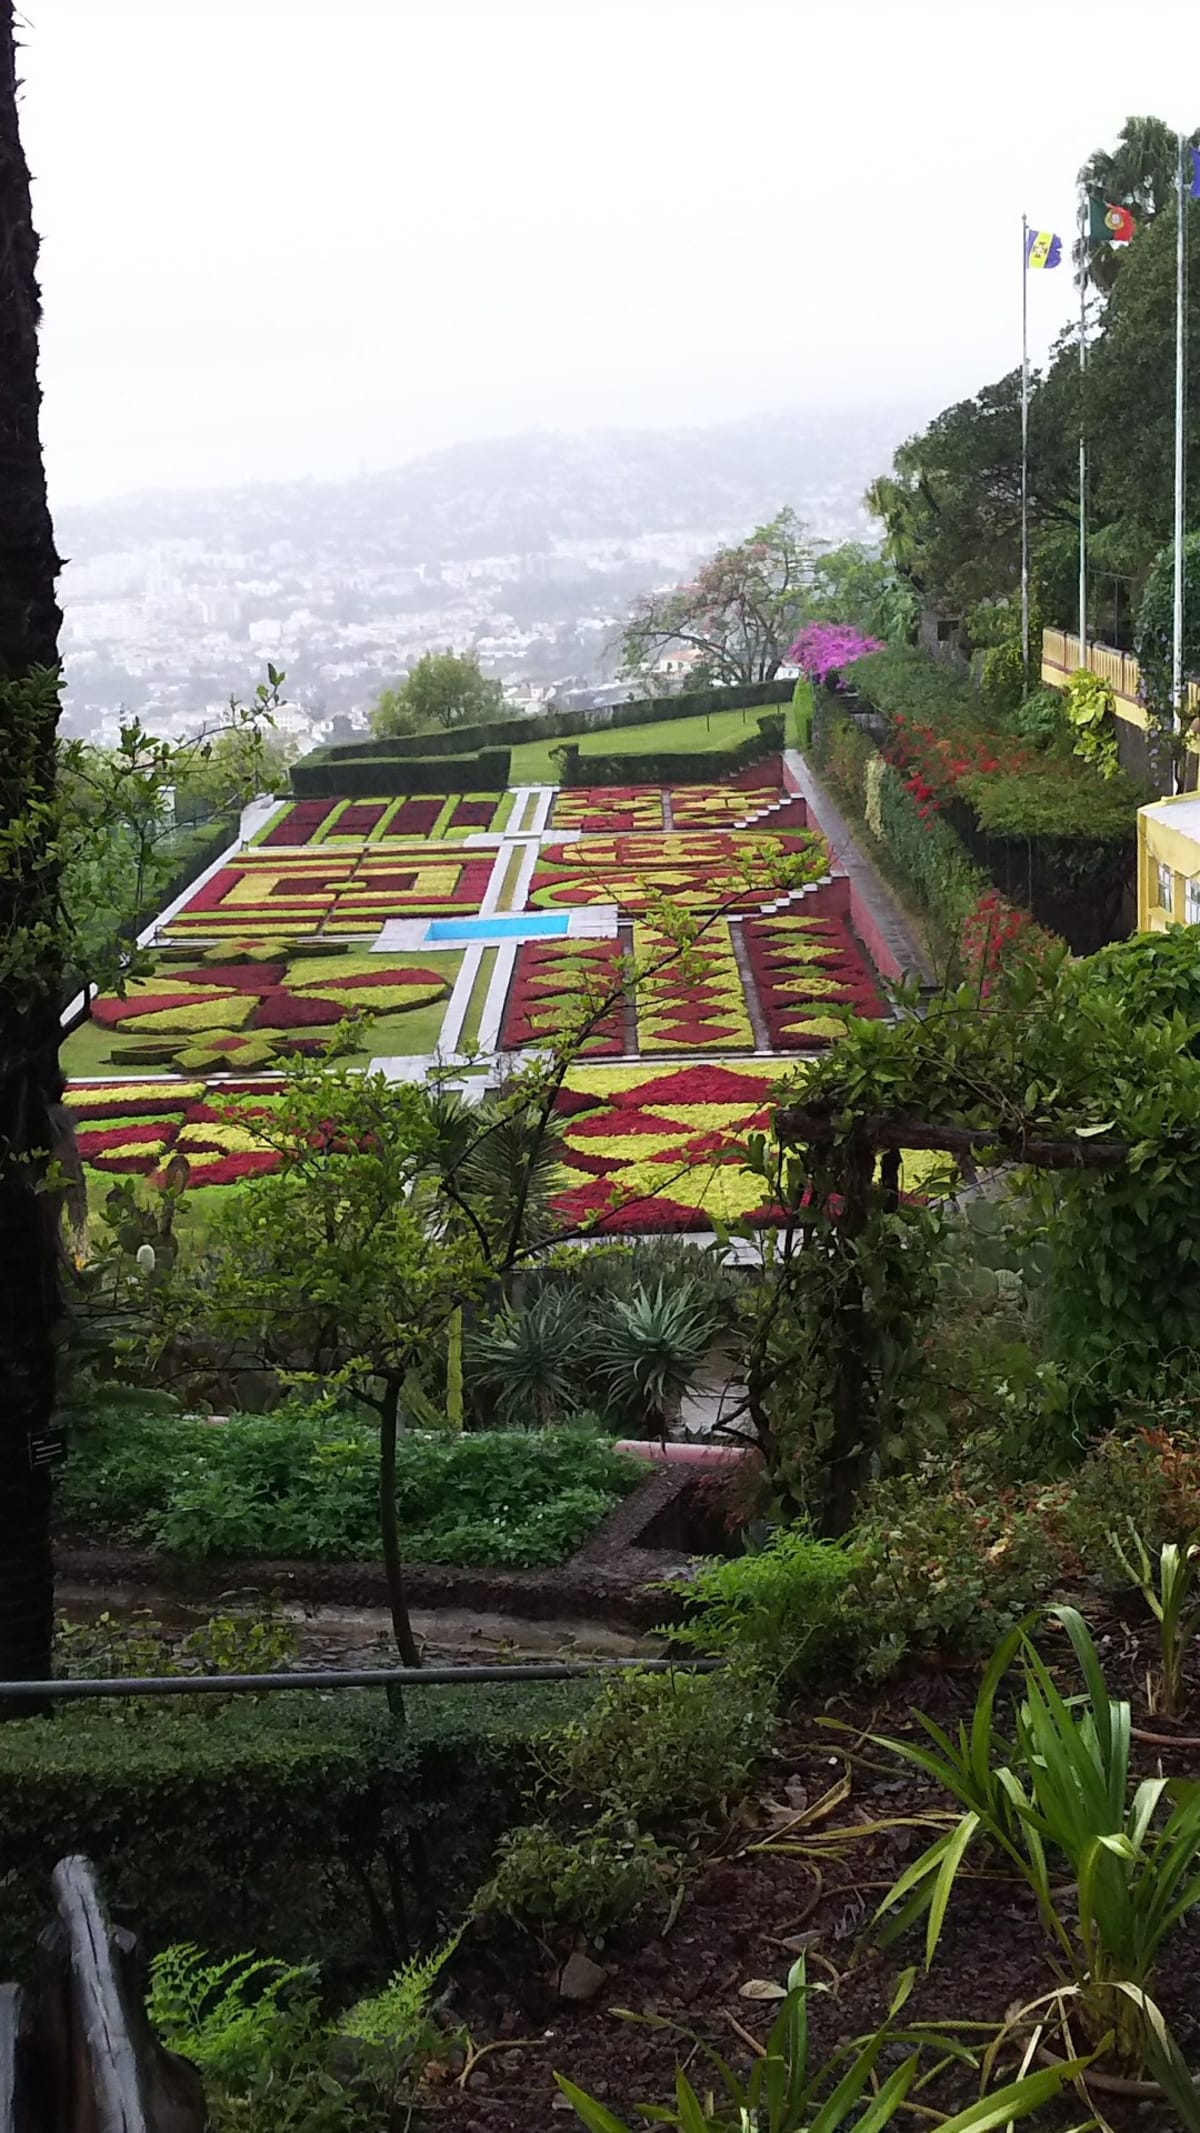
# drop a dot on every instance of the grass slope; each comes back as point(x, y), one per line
point(532, 764)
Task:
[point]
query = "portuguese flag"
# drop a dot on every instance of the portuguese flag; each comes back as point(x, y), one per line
point(1108, 223)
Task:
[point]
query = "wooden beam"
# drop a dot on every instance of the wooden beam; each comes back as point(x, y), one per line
point(799, 1126)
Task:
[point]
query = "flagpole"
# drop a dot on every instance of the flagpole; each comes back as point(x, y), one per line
point(1177, 681)
point(1083, 268)
point(1025, 451)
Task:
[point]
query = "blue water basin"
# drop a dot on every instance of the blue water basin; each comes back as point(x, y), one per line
point(500, 928)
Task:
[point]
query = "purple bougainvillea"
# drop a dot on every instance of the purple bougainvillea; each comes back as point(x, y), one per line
point(823, 648)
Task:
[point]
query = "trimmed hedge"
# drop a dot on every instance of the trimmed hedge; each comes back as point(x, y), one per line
point(665, 769)
point(933, 860)
point(559, 725)
point(321, 776)
point(289, 1822)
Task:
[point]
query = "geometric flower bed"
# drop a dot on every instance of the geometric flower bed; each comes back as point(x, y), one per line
point(426, 882)
point(697, 1004)
point(695, 869)
point(604, 808)
point(134, 1129)
point(548, 980)
point(644, 1148)
point(720, 806)
point(802, 967)
point(243, 1014)
point(657, 1149)
point(291, 893)
point(377, 821)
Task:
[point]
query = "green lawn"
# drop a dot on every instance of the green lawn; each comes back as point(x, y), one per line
point(532, 765)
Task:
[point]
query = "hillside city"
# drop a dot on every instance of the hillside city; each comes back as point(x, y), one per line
point(526, 551)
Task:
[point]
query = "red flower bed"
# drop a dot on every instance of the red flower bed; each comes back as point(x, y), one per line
point(414, 818)
point(108, 1011)
point(301, 822)
point(232, 1169)
point(106, 1137)
point(361, 819)
point(293, 1010)
point(473, 815)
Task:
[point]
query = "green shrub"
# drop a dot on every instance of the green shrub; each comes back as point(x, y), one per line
point(594, 1881)
point(905, 679)
point(657, 1747)
point(1146, 1473)
point(848, 751)
point(1039, 718)
point(931, 857)
point(944, 1563)
point(303, 1483)
point(281, 1822)
point(784, 1611)
point(1054, 799)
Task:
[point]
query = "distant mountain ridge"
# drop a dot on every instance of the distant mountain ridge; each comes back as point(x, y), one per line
point(524, 494)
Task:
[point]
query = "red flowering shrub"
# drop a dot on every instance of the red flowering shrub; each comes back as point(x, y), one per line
point(996, 935)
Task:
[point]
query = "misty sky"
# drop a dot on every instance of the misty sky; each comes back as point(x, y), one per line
point(288, 237)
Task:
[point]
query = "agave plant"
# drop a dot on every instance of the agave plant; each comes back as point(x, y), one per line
point(782, 2094)
point(529, 1366)
point(649, 1350)
point(1060, 1791)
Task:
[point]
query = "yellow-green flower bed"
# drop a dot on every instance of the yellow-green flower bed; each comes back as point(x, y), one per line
point(696, 1003)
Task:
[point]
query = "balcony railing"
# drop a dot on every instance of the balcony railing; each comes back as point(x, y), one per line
point(1062, 655)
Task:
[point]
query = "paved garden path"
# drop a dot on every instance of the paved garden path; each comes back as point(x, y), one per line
point(895, 926)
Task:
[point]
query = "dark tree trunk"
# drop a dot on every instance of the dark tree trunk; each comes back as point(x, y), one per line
point(406, 1643)
point(30, 1083)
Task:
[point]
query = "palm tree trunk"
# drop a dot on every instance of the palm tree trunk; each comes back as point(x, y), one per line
point(30, 1082)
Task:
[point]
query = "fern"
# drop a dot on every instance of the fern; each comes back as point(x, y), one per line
point(396, 2017)
point(226, 2015)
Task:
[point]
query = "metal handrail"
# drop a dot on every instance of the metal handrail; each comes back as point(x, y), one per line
point(327, 1678)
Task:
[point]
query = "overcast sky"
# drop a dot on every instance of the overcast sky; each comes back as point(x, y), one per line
point(287, 237)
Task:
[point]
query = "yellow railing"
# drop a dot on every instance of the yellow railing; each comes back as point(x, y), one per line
point(1061, 656)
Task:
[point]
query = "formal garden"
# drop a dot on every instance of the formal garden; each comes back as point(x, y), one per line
point(410, 1254)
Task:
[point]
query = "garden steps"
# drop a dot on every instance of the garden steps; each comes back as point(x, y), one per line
point(789, 806)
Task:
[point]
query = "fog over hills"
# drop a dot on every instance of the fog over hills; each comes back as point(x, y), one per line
point(528, 548)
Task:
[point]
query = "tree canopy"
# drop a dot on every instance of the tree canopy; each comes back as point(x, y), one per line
point(950, 504)
point(444, 690)
point(740, 612)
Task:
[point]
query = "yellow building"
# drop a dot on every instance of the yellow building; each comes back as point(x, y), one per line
point(1169, 863)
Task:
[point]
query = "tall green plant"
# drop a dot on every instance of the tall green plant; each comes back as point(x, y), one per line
point(784, 2093)
point(1060, 1789)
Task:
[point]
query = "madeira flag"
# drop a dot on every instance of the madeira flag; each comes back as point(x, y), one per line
point(1042, 248)
point(1109, 224)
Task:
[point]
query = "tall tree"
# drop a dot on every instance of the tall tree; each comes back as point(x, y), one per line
point(444, 690)
point(1140, 172)
point(31, 1116)
point(741, 611)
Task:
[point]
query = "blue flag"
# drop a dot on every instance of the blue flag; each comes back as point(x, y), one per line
point(1195, 156)
point(1043, 248)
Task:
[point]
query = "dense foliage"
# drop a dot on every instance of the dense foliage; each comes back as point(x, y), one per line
point(306, 1485)
point(444, 690)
